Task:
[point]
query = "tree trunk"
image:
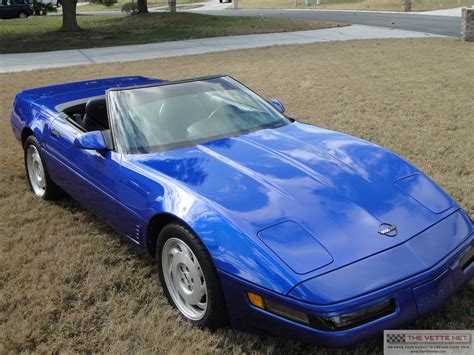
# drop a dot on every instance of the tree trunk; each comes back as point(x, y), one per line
point(172, 5)
point(407, 5)
point(142, 6)
point(69, 16)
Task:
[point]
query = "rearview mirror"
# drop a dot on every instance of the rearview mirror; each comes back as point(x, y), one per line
point(278, 105)
point(91, 140)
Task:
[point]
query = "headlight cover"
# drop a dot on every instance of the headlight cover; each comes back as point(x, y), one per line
point(296, 247)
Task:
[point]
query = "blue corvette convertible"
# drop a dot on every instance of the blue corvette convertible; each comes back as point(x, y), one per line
point(256, 220)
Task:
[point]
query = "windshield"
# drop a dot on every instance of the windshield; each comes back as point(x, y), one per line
point(175, 115)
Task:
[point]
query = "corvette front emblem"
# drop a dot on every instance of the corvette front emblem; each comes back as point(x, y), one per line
point(388, 230)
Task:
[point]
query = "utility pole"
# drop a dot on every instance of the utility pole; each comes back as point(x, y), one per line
point(235, 4)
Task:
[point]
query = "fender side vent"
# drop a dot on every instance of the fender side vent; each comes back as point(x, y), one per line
point(137, 232)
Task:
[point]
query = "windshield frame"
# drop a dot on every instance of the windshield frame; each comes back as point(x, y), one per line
point(189, 143)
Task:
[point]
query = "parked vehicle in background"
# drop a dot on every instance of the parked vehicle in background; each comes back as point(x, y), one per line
point(15, 9)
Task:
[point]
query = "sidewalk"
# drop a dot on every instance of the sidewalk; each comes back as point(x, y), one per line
point(56, 59)
point(456, 12)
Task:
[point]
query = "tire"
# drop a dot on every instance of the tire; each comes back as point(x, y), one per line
point(22, 15)
point(177, 251)
point(38, 178)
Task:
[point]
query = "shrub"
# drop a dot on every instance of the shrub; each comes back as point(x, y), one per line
point(108, 3)
point(43, 9)
point(130, 8)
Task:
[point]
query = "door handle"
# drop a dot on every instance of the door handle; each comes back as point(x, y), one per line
point(55, 133)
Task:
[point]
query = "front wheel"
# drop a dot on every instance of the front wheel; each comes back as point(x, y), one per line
point(38, 177)
point(22, 15)
point(189, 278)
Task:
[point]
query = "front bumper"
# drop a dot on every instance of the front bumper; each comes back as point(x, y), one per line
point(413, 298)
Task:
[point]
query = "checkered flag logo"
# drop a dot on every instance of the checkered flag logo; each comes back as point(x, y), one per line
point(396, 338)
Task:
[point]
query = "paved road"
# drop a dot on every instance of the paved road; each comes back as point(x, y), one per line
point(439, 25)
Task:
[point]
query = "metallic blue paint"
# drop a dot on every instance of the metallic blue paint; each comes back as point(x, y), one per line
point(278, 105)
point(425, 192)
point(263, 204)
point(295, 247)
point(90, 140)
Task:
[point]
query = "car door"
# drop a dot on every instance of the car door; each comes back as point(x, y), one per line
point(3, 10)
point(13, 9)
point(88, 176)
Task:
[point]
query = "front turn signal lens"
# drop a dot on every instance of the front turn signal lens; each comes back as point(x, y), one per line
point(256, 300)
point(277, 308)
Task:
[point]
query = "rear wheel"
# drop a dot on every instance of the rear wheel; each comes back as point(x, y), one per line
point(36, 172)
point(189, 278)
point(22, 15)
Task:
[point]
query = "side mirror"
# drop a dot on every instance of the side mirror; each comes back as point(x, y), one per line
point(91, 140)
point(278, 105)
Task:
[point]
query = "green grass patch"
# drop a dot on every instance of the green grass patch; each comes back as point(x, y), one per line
point(118, 5)
point(37, 34)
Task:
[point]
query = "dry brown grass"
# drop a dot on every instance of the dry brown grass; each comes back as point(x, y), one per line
point(68, 282)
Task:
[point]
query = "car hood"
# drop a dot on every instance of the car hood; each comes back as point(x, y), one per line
point(337, 188)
